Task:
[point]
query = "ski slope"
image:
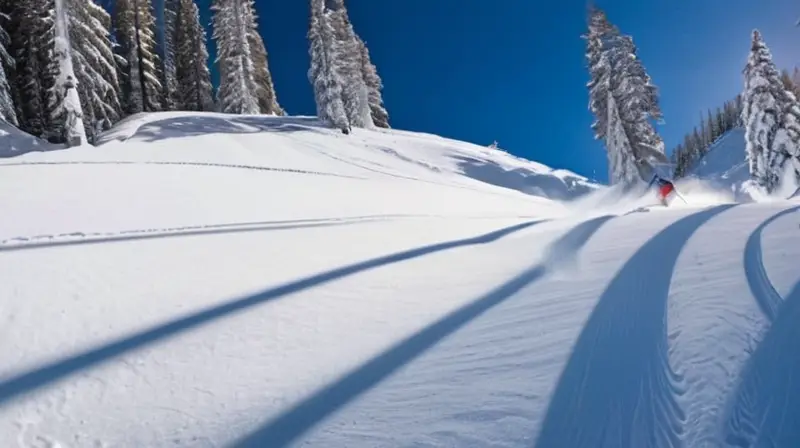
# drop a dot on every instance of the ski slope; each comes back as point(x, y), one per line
point(208, 281)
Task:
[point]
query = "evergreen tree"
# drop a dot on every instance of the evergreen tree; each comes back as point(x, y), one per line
point(380, 117)
point(355, 94)
point(238, 91)
point(66, 116)
point(191, 58)
point(135, 31)
point(771, 115)
point(169, 78)
point(7, 110)
point(96, 66)
point(322, 74)
point(617, 73)
point(267, 98)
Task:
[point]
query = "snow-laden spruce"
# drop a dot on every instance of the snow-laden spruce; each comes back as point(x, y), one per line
point(772, 119)
point(267, 97)
point(380, 117)
point(355, 94)
point(7, 111)
point(238, 91)
point(169, 79)
point(323, 75)
point(66, 111)
point(31, 29)
point(617, 72)
point(195, 92)
point(135, 33)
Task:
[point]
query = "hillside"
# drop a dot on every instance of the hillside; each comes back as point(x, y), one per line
point(209, 280)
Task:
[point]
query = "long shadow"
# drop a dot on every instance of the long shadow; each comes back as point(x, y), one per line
point(302, 417)
point(617, 389)
point(765, 407)
point(768, 299)
point(52, 372)
point(178, 232)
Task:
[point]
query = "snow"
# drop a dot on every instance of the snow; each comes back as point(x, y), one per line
point(14, 142)
point(206, 280)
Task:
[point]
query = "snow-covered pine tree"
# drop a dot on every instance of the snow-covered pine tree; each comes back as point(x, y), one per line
point(167, 56)
point(238, 92)
point(322, 74)
point(66, 119)
point(267, 98)
point(616, 72)
point(380, 117)
point(7, 110)
point(621, 161)
point(191, 57)
point(771, 116)
point(355, 93)
point(135, 32)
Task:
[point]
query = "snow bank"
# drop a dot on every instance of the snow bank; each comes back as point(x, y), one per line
point(14, 142)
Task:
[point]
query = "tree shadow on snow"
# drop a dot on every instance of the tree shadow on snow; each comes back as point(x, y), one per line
point(617, 388)
point(302, 417)
point(765, 406)
point(54, 371)
point(201, 124)
point(526, 181)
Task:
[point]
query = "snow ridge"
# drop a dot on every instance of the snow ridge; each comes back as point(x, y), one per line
point(609, 396)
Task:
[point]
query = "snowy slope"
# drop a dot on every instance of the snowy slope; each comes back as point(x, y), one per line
point(725, 164)
point(291, 286)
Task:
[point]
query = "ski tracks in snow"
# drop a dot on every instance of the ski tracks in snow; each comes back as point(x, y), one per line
point(187, 163)
point(768, 298)
point(764, 409)
point(618, 389)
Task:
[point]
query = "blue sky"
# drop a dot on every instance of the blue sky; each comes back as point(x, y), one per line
point(513, 70)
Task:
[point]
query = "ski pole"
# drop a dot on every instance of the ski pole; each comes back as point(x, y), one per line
point(682, 199)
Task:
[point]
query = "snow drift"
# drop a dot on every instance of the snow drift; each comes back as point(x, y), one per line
point(205, 280)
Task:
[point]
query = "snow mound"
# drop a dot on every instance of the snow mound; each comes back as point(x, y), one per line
point(385, 152)
point(14, 142)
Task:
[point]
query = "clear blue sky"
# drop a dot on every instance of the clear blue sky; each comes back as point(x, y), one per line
point(513, 70)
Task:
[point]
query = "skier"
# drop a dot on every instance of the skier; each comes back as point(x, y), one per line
point(665, 188)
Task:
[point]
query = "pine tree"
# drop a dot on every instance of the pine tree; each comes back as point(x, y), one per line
point(355, 94)
point(618, 74)
point(267, 98)
point(237, 92)
point(191, 57)
point(771, 116)
point(380, 117)
point(322, 74)
point(66, 117)
point(7, 110)
point(135, 31)
point(169, 78)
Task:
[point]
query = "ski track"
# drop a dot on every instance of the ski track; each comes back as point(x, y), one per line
point(765, 408)
point(295, 422)
point(760, 286)
point(618, 388)
point(205, 164)
point(81, 238)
